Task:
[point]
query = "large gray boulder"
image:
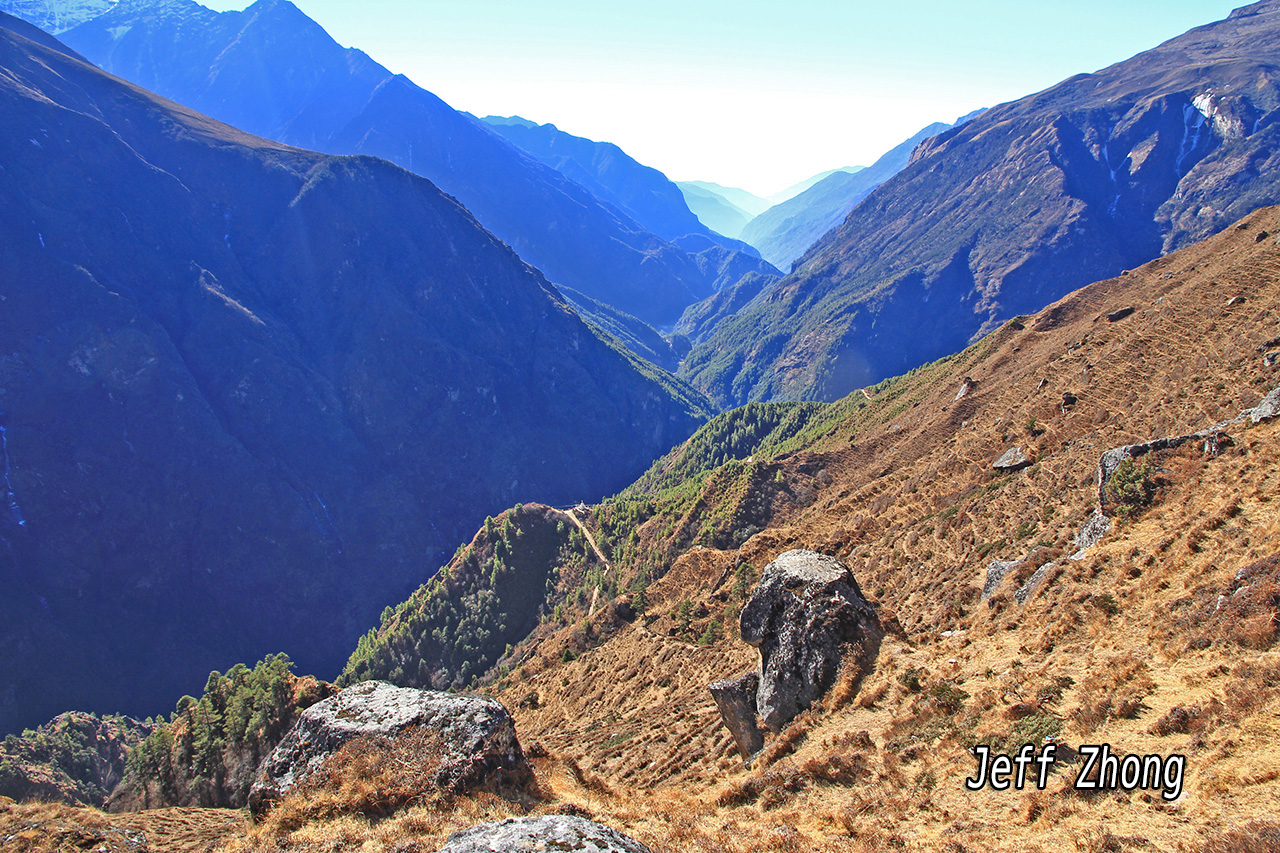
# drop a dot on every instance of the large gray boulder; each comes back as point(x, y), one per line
point(548, 832)
point(806, 616)
point(475, 734)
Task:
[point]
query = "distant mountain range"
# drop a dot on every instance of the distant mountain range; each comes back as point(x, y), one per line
point(641, 192)
point(783, 232)
point(273, 71)
point(1008, 212)
point(795, 189)
point(250, 393)
point(715, 210)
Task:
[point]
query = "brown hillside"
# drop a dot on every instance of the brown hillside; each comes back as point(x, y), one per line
point(1103, 652)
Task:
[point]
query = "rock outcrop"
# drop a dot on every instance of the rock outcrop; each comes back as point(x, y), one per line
point(736, 701)
point(546, 832)
point(998, 570)
point(806, 616)
point(477, 738)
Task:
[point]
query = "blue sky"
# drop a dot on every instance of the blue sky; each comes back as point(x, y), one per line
point(758, 95)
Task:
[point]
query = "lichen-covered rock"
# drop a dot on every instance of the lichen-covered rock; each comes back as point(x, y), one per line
point(805, 616)
point(1033, 583)
point(547, 832)
point(1091, 533)
point(476, 735)
point(736, 701)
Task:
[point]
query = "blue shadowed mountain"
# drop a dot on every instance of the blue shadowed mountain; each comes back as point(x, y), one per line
point(251, 394)
point(273, 71)
point(641, 192)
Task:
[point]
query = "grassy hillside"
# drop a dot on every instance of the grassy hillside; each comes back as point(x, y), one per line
point(1125, 645)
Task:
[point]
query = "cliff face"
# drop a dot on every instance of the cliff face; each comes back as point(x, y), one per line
point(252, 394)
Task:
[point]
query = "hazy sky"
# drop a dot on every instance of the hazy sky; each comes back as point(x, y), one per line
point(758, 95)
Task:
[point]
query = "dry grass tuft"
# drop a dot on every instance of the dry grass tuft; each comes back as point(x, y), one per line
point(1116, 690)
point(1259, 836)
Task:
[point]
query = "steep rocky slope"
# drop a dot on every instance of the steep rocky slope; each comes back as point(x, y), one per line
point(252, 394)
point(1012, 210)
point(273, 71)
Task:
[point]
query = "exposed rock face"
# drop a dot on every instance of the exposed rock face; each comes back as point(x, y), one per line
point(1033, 583)
point(736, 701)
point(1011, 460)
point(547, 832)
point(477, 735)
point(804, 617)
point(1267, 409)
point(998, 570)
point(1091, 533)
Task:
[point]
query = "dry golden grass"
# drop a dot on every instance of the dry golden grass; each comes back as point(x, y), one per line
point(58, 828)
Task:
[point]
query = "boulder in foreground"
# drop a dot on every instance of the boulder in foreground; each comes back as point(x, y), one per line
point(474, 734)
point(547, 832)
point(806, 616)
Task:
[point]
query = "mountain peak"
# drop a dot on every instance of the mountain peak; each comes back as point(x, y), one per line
point(56, 16)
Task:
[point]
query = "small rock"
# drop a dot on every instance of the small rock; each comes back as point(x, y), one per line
point(1262, 235)
point(1116, 316)
point(998, 570)
point(1235, 300)
point(736, 700)
point(1271, 358)
point(1068, 400)
point(545, 832)
point(965, 387)
point(805, 615)
point(1091, 533)
point(1024, 592)
point(1012, 459)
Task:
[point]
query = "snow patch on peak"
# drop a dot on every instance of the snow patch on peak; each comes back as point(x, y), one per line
point(56, 16)
point(1220, 113)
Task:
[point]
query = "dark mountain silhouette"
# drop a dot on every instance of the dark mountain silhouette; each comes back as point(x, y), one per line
point(641, 192)
point(784, 231)
point(250, 394)
point(1012, 210)
point(273, 71)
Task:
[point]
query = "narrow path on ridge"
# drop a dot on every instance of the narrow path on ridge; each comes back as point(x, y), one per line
point(591, 540)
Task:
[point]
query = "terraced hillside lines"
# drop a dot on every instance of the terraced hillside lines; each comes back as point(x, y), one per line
point(637, 711)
